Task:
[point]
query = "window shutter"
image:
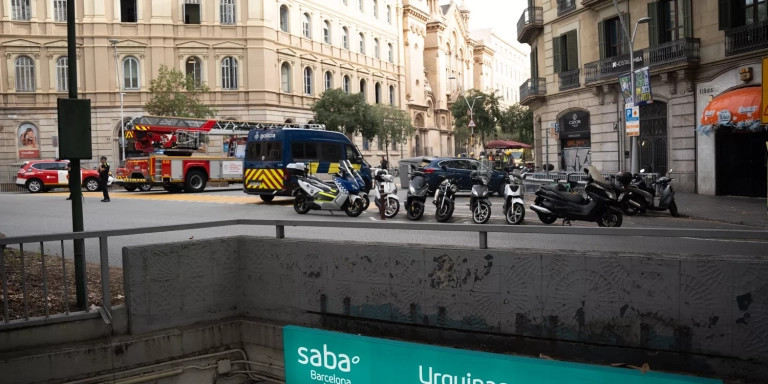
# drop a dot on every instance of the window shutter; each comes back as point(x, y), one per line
point(556, 53)
point(723, 14)
point(572, 51)
point(653, 25)
point(534, 64)
point(687, 19)
point(601, 38)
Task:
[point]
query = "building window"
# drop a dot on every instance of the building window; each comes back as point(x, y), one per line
point(363, 90)
point(308, 81)
point(229, 73)
point(191, 11)
point(739, 13)
point(390, 53)
point(60, 11)
point(306, 26)
point(326, 32)
point(375, 9)
point(194, 68)
point(670, 21)
point(21, 10)
point(376, 53)
point(130, 73)
point(345, 38)
point(284, 19)
point(62, 77)
point(345, 2)
point(285, 77)
point(360, 5)
point(389, 14)
point(227, 12)
point(380, 142)
point(128, 11)
point(566, 52)
point(366, 144)
point(362, 44)
point(612, 42)
point(328, 80)
point(392, 95)
point(25, 74)
point(394, 145)
point(377, 92)
point(345, 84)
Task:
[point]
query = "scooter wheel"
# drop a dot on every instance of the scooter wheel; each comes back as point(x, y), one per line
point(673, 209)
point(515, 214)
point(546, 219)
point(391, 208)
point(610, 218)
point(444, 213)
point(301, 204)
point(481, 213)
point(354, 209)
point(415, 212)
point(366, 201)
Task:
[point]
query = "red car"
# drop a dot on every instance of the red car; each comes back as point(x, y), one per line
point(44, 175)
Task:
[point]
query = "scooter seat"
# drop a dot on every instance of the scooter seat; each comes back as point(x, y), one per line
point(567, 196)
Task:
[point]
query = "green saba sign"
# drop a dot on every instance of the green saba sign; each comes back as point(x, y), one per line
point(315, 356)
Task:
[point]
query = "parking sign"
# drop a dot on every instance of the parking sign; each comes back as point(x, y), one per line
point(632, 120)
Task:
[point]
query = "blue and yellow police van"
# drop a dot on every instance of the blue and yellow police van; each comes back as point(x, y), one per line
point(269, 151)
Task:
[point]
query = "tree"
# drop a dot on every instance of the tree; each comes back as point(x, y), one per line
point(348, 113)
point(485, 113)
point(392, 125)
point(174, 94)
point(517, 120)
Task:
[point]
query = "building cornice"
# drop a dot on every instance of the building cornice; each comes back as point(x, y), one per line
point(410, 11)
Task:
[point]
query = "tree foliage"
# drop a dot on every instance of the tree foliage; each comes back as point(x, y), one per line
point(348, 113)
point(392, 125)
point(174, 94)
point(517, 121)
point(485, 112)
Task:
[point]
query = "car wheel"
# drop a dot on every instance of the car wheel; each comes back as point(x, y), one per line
point(91, 184)
point(35, 186)
point(268, 198)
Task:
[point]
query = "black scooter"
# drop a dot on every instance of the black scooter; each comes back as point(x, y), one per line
point(445, 197)
point(601, 205)
point(637, 197)
point(417, 194)
point(479, 202)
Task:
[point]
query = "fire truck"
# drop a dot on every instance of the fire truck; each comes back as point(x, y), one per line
point(172, 158)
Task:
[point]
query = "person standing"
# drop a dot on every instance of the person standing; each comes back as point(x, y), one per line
point(384, 163)
point(103, 178)
point(69, 177)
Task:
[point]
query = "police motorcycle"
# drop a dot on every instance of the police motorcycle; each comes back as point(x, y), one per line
point(638, 197)
point(445, 197)
point(313, 193)
point(382, 178)
point(354, 174)
point(600, 205)
point(514, 205)
point(479, 201)
point(417, 194)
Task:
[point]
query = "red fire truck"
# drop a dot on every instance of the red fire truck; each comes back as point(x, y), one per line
point(172, 159)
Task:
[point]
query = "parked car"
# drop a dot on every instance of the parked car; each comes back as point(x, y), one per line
point(44, 175)
point(459, 169)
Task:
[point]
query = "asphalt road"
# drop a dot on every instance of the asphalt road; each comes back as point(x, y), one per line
point(45, 213)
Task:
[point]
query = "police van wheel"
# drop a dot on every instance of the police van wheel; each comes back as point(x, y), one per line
point(266, 198)
point(130, 188)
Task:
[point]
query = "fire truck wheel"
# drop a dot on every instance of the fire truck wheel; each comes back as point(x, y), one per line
point(173, 188)
point(195, 181)
point(266, 198)
point(130, 188)
point(145, 187)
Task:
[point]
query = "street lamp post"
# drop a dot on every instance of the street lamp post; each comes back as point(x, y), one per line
point(635, 156)
point(117, 81)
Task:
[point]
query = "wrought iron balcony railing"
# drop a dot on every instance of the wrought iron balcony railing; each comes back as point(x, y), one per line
point(533, 88)
point(569, 79)
point(746, 39)
point(532, 17)
point(665, 55)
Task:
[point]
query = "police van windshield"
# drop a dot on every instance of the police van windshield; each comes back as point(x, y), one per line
point(264, 151)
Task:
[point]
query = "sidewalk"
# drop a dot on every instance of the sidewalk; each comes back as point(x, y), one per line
point(750, 211)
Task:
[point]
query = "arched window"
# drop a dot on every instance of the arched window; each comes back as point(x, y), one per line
point(308, 81)
point(377, 92)
point(390, 53)
point(375, 9)
point(25, 74)
point(285, 77)
point(362, 43)
point(227, 12)
point(328, 80)
point(306, 26)
point(130, 73)
point(376, 48)
point(345, 38)
point(62, 77)
point(229, 73)
point(392, 95)
point(389, 14)
point(363, 90)
point(326, 32)
point(345, 84)
point(194, 68)
point(284, 19)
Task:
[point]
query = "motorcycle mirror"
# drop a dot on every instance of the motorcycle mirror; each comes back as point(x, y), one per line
point(669, 172)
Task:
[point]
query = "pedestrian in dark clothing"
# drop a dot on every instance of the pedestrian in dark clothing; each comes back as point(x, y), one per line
point(384, 163)
point(103, 178)
point(69, 177)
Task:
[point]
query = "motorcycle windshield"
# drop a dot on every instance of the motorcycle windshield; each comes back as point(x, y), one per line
point(595, 174)
point(418, 182)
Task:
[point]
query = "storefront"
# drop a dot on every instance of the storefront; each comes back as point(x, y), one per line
point(575, 140)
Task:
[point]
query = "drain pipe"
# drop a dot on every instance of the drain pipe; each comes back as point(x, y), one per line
point(151, 376)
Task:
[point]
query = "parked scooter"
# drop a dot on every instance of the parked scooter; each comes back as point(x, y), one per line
point(479, 202)
point(601, 204)
point(514, 205)
point(417, 194)
point(637, 197)
point(311, 193)
point(444, 201)
point(392, 205)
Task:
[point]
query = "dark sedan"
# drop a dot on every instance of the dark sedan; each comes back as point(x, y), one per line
point(459, 169)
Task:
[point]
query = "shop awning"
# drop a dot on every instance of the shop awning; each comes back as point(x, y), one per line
point(505, 144)
point(737, 109)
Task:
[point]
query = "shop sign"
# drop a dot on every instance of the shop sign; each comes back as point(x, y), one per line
point(574, 121)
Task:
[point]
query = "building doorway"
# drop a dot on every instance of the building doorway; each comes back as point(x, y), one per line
point(740, 162)
point(653, 138)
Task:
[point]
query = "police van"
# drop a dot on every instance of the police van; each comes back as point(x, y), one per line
point(269, 151)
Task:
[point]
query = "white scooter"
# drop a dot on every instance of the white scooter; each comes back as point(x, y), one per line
point(392, 205)
point(514, 205)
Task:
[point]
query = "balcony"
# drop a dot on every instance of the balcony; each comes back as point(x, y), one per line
point(532, 89)
point(744, 39)
point(682, 52)
point(531, 22)
point(565, 6)
point(569, 79)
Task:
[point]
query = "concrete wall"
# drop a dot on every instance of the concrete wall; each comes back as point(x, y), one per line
point(689, 305)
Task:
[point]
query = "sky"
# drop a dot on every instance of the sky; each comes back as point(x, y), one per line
point(500, 15)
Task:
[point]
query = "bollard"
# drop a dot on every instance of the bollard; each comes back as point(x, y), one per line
point(382, 199)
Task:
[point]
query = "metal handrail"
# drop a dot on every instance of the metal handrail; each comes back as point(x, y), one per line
point(569, 79)
point(746, 38)
point(482, 230)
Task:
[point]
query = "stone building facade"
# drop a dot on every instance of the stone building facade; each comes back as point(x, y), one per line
point(508, 67)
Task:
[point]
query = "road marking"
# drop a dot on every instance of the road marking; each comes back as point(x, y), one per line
point(180, 197)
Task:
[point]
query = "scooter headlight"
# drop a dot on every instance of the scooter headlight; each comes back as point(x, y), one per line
point(454, 188)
